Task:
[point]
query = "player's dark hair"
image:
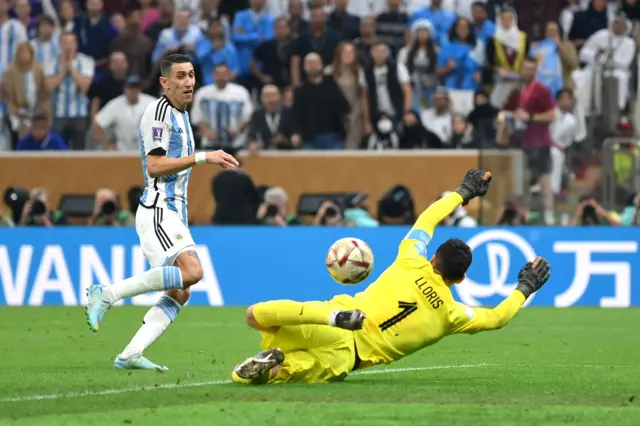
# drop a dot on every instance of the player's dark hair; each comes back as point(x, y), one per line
point(174, 58)
point(453, 258)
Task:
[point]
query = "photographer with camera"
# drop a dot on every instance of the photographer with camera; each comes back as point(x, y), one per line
point(590, 213)
point(515, 213)
point(273, 211)
point(36, 211)
point(329, 214)
point(107, 211)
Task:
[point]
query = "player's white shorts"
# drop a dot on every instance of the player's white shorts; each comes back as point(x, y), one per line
point(163, 235)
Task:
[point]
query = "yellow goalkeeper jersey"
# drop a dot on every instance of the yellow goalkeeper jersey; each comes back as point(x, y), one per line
point(409, 306)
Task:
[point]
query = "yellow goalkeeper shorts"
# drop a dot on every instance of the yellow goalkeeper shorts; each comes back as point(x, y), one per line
point(314, 353)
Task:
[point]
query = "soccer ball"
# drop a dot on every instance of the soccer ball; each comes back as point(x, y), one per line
point(349, 261)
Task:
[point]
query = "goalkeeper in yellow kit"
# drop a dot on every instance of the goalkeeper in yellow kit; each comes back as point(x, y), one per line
point(409, 307)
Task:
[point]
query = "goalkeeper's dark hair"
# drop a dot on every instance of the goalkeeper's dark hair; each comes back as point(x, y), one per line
point(174, 58)
point(453, 258)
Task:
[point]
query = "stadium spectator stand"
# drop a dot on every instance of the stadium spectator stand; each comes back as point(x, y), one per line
point(442, 83)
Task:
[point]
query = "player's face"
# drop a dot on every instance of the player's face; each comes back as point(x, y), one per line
point(179, 86)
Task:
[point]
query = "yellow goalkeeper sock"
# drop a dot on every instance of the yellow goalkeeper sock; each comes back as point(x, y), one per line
point(287, 312)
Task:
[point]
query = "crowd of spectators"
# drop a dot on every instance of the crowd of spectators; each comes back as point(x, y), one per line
point(323, 74)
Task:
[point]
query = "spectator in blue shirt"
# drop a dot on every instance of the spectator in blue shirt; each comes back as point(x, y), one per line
point(441, 19)
point(460, 61)
point(251, 27)
point(484, 28)
point(41, 137)
point(95, 34)
point(214, 49)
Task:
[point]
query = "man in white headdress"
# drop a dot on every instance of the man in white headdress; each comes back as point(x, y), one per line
point(607, 53)
point(505, 53)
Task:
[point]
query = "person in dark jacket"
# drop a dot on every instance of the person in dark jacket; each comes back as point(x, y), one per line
point(588, 22)
point(320, 109)
point(236, 198)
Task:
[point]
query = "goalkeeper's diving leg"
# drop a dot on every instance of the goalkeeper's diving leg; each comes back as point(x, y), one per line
point(303, 321)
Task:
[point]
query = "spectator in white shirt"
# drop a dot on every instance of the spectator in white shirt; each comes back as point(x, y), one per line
point(68, 80)
point(609, 52)
point(221, 111)
point(564, 132)
point(117, 126)
point(439, 119)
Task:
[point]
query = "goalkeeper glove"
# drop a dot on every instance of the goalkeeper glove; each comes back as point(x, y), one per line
point(533, 276)
point(475, 184)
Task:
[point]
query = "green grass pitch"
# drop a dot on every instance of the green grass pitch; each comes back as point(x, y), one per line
point(548, 367)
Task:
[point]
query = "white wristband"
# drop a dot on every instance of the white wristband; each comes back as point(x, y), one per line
point(201, 157)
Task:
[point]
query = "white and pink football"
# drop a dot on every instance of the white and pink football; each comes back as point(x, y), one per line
point(349, 261)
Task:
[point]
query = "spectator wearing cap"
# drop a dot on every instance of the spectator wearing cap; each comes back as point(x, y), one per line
point(117, 125)
point(387, 87)
point(46, 45)
point(136, 46)
point(346, 24)
point(273, 211)
point(391, 25)
point(439, 119)
point(214, 49)
point(41, 137)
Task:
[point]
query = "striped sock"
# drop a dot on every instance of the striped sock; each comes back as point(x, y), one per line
point(156, 279)
point(155, 322)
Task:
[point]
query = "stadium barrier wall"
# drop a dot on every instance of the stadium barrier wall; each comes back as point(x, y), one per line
point(591, 266)
point(427, 173)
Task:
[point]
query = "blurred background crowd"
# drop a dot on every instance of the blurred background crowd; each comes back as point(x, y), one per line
point(554, 79)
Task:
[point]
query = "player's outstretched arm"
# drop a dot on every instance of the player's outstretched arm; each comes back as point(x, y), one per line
point(474, 184)
point(160, 165)
point(530, 279)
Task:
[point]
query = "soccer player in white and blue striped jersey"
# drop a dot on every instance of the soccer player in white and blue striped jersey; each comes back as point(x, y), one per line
point(167, 152)
point(12, 33)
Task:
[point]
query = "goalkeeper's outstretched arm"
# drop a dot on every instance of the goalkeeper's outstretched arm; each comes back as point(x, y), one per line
point(437, 212)
point(530, 279)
